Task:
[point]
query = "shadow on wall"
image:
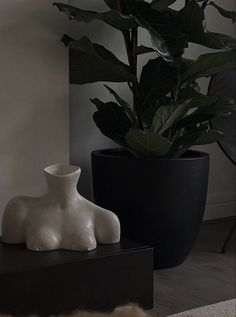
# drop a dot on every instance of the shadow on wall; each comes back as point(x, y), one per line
point(84, 135)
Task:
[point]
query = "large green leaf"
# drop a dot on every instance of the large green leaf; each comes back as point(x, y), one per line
point(147, 145)
point(192, 17)
point(162, 115)
point(166, 116)
point(197, 136)
point(113, 122)
point(123, 104)
point(203, 101)
point(225, 13)
point(98, 103)
point(182, 64)
point(112, 17)
point(211, 107)
point(189, 91)
point(157, 79)
point(157, 40)
point(215, 40)
point(193, 22)
point(150, 109)
point(210, 64)
point(209, 136)
point(167, 40)
point(90, 62)
point(112, 4)
point(161, 4)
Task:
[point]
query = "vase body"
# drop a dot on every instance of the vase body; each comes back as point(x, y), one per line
point(158, 201)
point(61, 219)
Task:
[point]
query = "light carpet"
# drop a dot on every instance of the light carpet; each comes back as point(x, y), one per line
point(223, 309)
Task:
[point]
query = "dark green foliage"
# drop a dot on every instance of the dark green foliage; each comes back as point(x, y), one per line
point(225, 13)
point(145, 144)
point(210, 64)
point(165, 31)
point(192, 18)
point(112, 4)
point(169, 114)
point(157, 79)
point(112, 17)
point(90, 62)
point(206, 110)
point(161, 4)
point(196, 136)
point(113, 122)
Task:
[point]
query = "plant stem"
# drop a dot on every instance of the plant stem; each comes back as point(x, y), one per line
point(137, 104)
point(127, 39)
point(134, 39)
point(131, 42)
point(136, 98)
point(177, 90)
point(119, 5)
point(170, 133)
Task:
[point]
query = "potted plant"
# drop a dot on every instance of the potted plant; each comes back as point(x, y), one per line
point(154, 182)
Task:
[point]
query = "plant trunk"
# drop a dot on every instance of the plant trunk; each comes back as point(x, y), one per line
point(131, 42)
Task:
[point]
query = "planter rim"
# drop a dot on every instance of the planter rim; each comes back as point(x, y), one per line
point(109, 153)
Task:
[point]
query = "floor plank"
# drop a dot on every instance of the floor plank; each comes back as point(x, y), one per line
point(206, 277)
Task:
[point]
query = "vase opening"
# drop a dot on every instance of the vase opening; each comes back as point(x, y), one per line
point(62, 170)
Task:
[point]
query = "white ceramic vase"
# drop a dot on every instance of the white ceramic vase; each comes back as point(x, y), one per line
point(61, 219)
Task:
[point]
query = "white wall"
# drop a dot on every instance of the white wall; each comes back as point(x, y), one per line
point(85, 137)
point(33, 95)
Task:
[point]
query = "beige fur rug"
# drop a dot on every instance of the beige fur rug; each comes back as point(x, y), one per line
point(125, 311)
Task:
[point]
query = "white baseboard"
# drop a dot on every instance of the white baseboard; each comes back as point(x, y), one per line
point(222, 206)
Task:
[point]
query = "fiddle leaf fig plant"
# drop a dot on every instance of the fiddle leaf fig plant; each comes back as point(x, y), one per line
point(169, 113)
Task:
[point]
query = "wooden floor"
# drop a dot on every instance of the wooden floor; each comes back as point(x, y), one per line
point(206, 277)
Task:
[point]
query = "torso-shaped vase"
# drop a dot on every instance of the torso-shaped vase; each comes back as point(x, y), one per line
point(61, 219)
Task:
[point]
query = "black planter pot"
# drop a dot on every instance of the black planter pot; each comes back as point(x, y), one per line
point(159, 201)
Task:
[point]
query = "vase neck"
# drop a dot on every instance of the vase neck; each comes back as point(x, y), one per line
point(62, 183)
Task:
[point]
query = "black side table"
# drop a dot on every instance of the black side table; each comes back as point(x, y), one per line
point(60, 281)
